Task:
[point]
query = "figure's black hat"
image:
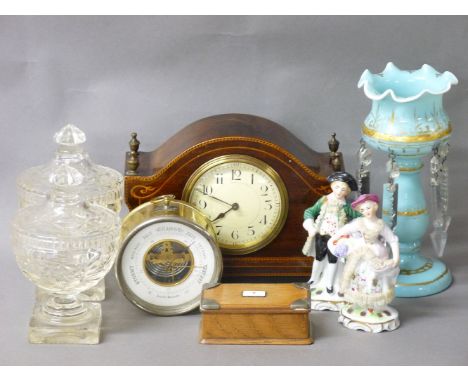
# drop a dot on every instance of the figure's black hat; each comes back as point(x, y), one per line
point(342, 176)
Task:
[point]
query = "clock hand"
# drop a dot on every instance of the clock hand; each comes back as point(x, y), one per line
point(214, 197)
point(234, 207)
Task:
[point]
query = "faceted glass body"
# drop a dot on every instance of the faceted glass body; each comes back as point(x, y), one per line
point(65, 246)
point(101, 185)
point(67, 243)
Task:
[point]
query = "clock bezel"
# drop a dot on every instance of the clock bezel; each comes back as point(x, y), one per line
point(165, 209)
point(245, 248)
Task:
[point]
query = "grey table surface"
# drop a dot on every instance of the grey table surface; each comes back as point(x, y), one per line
point(155, 75)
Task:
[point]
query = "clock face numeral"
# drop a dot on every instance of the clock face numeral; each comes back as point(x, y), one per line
point(236, 175)
point(245, 199)
point(207, 190)
point(202, 204)
point(264, 189)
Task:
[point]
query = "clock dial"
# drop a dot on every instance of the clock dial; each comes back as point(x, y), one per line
point(244, 198)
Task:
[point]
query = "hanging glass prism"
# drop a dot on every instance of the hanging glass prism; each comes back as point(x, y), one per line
point(364, 161)
point(392, 188)
point(439, 198)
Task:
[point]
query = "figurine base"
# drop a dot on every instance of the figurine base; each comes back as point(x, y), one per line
point(430, 278)
point(357, 318)
point(320, 299)
point(80, 325)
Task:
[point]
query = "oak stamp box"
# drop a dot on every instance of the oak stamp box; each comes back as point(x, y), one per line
point(255, 314)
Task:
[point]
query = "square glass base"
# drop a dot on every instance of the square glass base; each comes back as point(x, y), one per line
point(96, 293)
point(81, 328)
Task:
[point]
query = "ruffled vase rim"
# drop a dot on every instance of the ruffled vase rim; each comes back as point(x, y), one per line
point(445, 79)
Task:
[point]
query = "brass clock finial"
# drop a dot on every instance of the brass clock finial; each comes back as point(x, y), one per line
point(134, 143)
point(132, 160)
point(333, 145)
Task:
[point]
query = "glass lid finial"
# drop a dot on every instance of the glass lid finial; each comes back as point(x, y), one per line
point(70, 135)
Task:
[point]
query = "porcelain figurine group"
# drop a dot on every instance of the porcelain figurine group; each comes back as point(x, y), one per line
point(356, 258)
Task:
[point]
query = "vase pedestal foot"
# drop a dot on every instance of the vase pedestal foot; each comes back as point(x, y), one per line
point(376, 321)
point(431, 278)
point(75, 322)
point(95, 294)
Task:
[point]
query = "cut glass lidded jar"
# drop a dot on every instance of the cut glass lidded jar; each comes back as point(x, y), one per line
point(65, 246)
point(100, 185)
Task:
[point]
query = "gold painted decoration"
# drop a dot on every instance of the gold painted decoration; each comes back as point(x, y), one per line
point(407, 213)
point(424, 268)
point(445, 272)
point(425, 137)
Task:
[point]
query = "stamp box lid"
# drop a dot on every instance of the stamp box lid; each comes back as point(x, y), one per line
point(255, 298)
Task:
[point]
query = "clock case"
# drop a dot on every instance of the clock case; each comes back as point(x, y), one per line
point(167, 169)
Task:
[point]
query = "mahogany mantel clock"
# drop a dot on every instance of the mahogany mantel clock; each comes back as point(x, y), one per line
point(251, 177)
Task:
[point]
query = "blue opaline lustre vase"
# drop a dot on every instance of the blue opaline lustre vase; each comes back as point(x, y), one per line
point(408, 119)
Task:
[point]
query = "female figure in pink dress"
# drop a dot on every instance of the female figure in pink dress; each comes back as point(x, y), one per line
point(371, 269)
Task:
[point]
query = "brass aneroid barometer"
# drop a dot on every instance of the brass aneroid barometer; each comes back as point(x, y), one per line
point(245, 199)
point(169, 251)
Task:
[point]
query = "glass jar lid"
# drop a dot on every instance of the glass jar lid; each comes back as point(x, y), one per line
point(101, 185)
